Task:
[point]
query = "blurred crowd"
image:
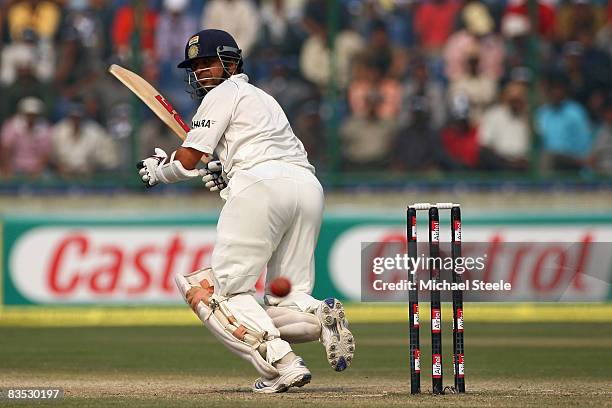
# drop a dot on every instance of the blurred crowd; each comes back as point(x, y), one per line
point(368, 85)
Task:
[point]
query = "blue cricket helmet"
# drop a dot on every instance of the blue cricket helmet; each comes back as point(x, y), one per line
point(211, 43)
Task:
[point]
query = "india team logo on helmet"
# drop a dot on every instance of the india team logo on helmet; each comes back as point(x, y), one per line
point(193, 51)
point(193, 48)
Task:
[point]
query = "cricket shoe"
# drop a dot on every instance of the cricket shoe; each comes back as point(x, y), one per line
point(337, 339)
point(294, 374)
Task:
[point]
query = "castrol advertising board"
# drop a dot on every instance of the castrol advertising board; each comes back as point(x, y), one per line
point(119, 261)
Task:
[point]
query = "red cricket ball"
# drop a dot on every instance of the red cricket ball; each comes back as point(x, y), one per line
point(280, 287)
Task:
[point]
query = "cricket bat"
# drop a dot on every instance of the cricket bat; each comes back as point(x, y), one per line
point(154, 100)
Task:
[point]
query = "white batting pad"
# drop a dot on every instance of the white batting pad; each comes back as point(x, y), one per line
point(216, 314)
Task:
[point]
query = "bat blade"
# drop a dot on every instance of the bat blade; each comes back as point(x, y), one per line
point(154, 100)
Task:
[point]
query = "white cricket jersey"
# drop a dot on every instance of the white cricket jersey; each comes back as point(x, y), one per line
point(244, 126)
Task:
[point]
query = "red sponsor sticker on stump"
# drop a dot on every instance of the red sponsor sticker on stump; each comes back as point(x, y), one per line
point(457, 230)
point(415, 314)
point(460, 365)
point(436, 324)
point(417, 361)
point(436, 367)
point(459, 326)
point(435, 231)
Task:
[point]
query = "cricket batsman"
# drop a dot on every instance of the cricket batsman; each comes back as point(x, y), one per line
point(271, 217)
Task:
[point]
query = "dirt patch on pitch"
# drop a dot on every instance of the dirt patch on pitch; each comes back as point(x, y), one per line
point(138, 390)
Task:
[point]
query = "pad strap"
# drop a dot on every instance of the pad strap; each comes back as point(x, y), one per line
point(205, 293)
point(239, 330)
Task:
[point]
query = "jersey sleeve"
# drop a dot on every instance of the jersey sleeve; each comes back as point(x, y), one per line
point(212, 119)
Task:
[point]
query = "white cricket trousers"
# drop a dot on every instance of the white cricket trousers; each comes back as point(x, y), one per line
point(272, 217)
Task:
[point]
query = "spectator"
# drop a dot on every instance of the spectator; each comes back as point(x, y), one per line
point(418, 144)
point(293, 10)
point(359, 15)
point(84, 24)
point(80, 63)
point(154, 133)
point(310, 128)
point(576, 16)
point(462, 148)
point(573, 67)
point(545, 13)
point(478, 88)
point(174, 27)
point(92, 106)
point(315, 58)
point(41, 16)
point(103, 12)
point(564, 128)
point(315, 55)
point(604, 36)
point(290, 92)
point(477, 35)
point(25, 140)
point(134, 16)
point(401, 24)
point(240, 18)
point(516, 30)
point(28, 50)
point(280, 40)
point(25, 84)
point(504, 130)
point(391, 61)
point(423, 95)
point(121, 127)
point(433, 23)
point(596, 66)
point(515, 25)
point(460, 136)
point(108, 97)
point(81, 146)
point(315, 16)
point(601, 157)
point(520, 74)
point(279, 28)
point(368, 79)
point(367, 142)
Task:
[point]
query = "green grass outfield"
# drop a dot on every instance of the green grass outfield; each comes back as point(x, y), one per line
point(563, 358)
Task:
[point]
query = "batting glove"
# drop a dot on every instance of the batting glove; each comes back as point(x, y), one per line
point(146, 168)
point(214, 178)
